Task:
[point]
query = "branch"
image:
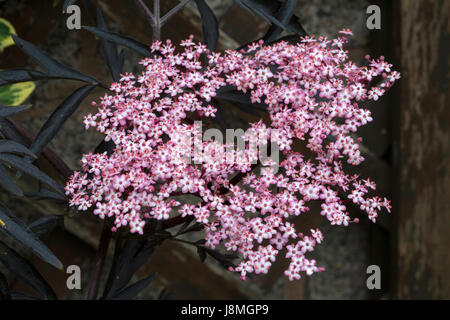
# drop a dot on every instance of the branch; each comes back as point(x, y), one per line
point(117, 252)
point(155, 18)
point(148, 14)
point(100, 257)
point(174, 10)
point(47, 153)
point(157, 27)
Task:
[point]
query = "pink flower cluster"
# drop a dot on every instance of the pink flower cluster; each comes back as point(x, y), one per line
point(312, 93)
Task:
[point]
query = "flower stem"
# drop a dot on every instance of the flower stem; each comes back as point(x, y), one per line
point(157, 27)
point(105, 239)
point(155, 19)
point(148, 13)
point(173, 11)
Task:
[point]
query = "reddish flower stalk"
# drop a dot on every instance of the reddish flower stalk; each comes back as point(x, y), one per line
point(99, 262)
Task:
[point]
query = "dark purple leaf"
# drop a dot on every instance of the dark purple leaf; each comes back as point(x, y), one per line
point(226, 260)
point(8, 146)
point(210, 25)
point(45, 224)
point(268, 10)
point(239, 97)
point(16, 229)
point(25, 270)
point(263, 8)
point(109, 49)
point(28, 168)
point(4, 288)
point(54, 67)
point(8, 183)
point(121, 40)
point(22, 75)
point(68, 3)
point(10, 131)
point(6, 111)
point(45, 194)
point(105, 146)
point(58, 117)
point(133, 290)
point(201, 253)
point(134, 254)
point(284, 15)
point(22, 296)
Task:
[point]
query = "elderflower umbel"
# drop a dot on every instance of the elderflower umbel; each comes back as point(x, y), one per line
point(312, 92)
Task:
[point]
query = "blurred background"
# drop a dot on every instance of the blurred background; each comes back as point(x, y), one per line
point(407, 148)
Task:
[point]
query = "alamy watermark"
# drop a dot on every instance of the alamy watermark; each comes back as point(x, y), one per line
point(74, 20)
point(73, 281)
point(209, 148)
point(374, 280)
point(374, 19)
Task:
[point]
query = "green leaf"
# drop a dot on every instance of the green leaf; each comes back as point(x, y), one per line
point(6, 30)
point(16, 93)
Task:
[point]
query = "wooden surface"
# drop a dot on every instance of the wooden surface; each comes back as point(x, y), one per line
point(422, 150)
